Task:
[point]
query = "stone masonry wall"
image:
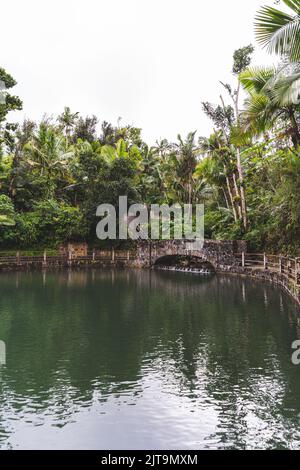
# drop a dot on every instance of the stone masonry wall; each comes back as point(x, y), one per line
point(221, 254)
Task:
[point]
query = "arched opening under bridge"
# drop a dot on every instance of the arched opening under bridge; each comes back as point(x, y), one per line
point(184, 263)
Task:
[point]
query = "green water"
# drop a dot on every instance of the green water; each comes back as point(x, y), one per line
point(146, 360)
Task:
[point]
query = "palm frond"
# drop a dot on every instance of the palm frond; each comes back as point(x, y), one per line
point(286, 90)
point(258, 114)
point(240, 136)
point(293, 5)
point(278, 31)
point(255, 79)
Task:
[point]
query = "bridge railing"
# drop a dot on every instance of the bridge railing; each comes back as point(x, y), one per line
point(52, 256)
point(286, 266)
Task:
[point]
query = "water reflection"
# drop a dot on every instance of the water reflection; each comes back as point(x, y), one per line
point(141, 359)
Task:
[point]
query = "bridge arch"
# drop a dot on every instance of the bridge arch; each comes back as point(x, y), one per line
point(185, 261)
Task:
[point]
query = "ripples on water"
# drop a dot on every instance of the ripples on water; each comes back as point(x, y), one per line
point(155, 360)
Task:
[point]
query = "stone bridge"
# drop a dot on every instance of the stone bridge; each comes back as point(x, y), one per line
point(220, 254)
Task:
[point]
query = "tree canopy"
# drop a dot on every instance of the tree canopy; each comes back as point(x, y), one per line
point(54, 173)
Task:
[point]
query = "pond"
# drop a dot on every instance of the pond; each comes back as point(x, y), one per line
point(147, 360)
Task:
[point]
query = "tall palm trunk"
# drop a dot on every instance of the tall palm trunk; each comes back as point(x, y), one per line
point(239, 163)
point(190, 191)
point(226, 198)
point(229, 189)
point(295, 134)
point(242, 189)
point(238, 196)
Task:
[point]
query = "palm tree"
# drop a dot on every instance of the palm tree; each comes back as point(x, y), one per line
point(186, 151)
point(280, 31)
point(112, 152)
point(47, 153)
point(163, 148)
point(67, 120)
point(216, 167)
point(154, 174)
point(268, 101)
point(226, 118)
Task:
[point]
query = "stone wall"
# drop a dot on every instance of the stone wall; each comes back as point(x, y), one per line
point(221, 254)
point(76, 249)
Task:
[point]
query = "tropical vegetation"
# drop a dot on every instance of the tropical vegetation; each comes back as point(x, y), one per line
point(53, 174)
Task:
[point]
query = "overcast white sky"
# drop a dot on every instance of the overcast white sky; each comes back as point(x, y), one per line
point(151, 62)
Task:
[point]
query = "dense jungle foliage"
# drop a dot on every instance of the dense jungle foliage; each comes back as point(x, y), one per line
point(55, 173)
